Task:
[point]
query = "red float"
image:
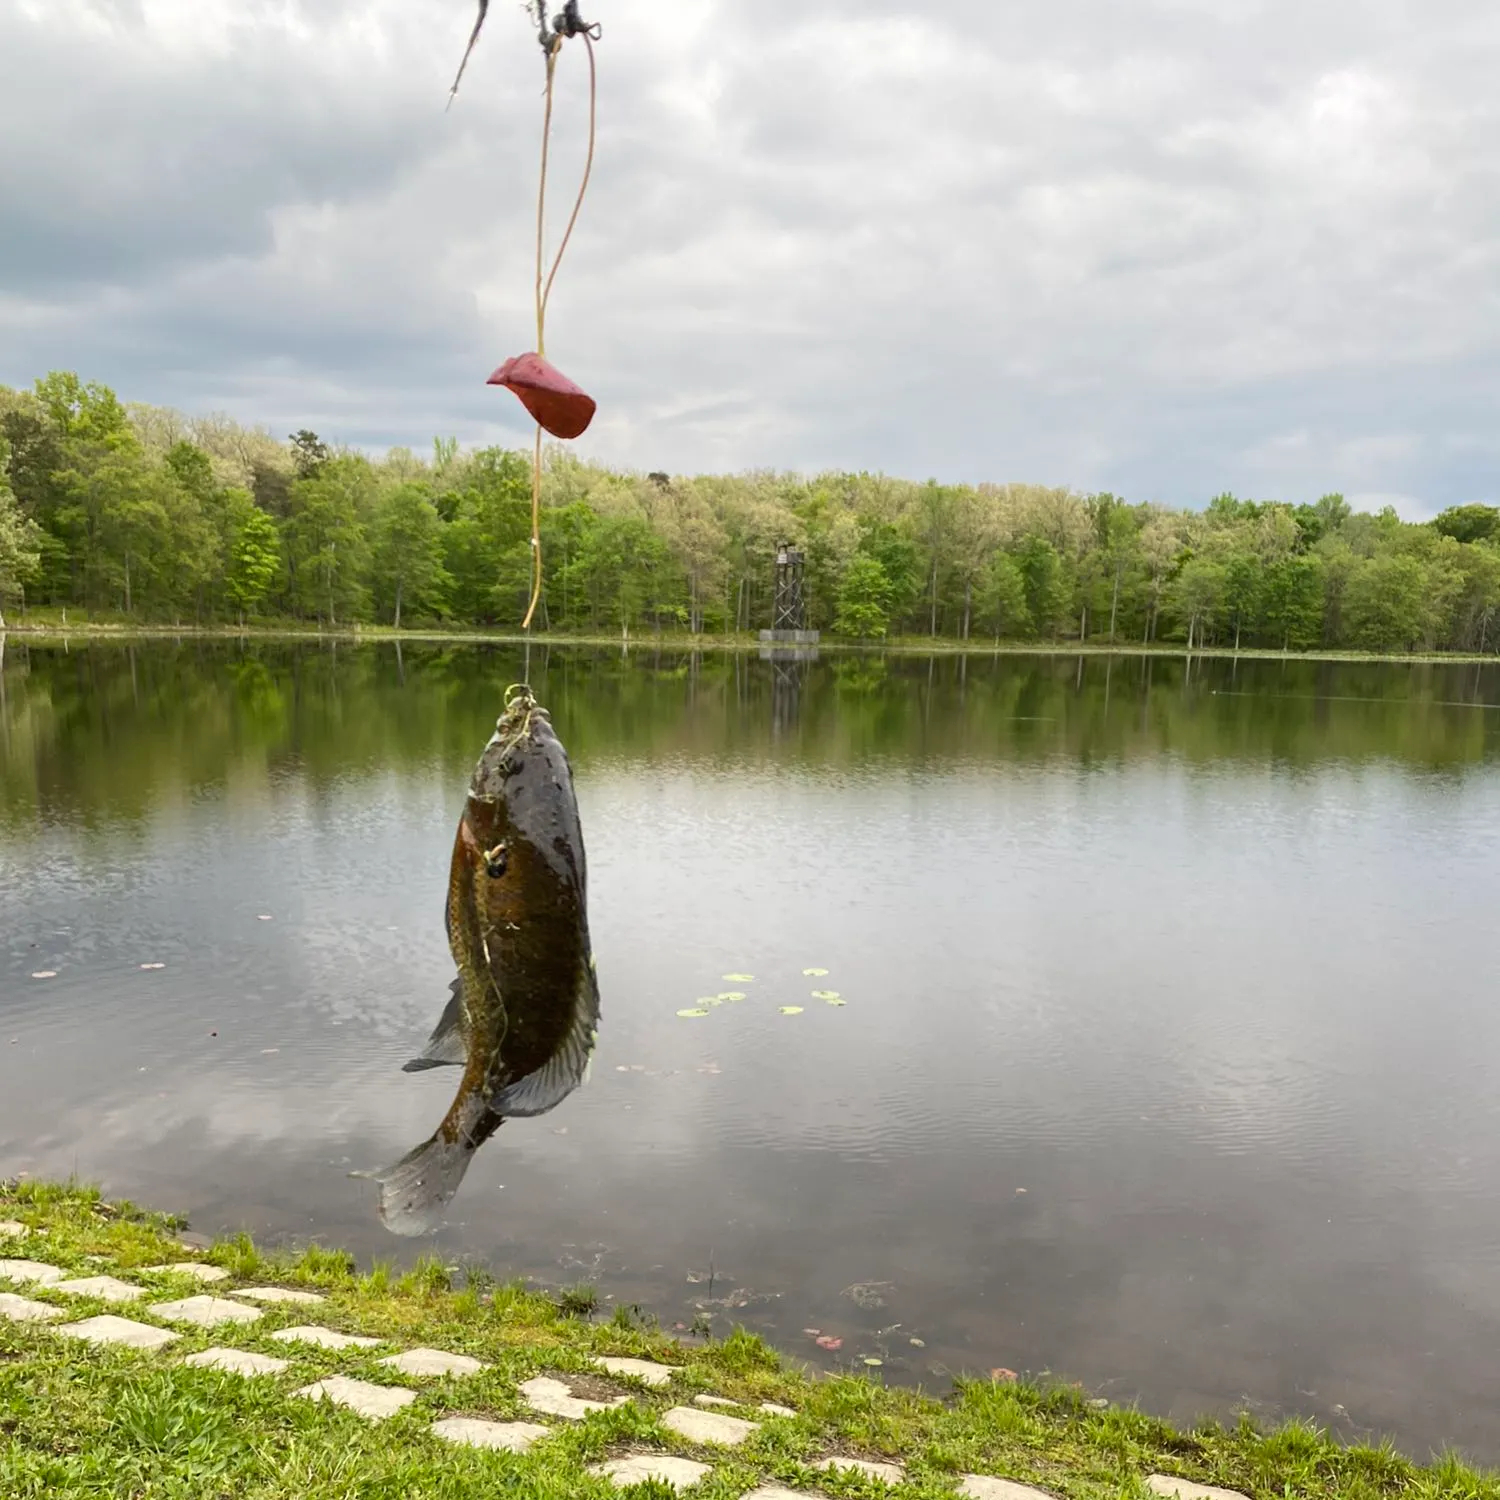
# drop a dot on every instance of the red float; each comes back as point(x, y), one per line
point(563, 409)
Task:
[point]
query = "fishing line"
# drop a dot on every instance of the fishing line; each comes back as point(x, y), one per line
point(568, 25)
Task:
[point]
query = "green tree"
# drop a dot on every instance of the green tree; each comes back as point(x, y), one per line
point(620, 568)
point(900, 562)
point(1197, 596)
point(1469, 523)
point(1002, 599)
point(407, 564)
point(309, 453)
point(254, 560)
point(82, 413)
point(140, 538)
point(863, 599)
point(1042, 577)
point(1385, 603)
point(324, 540)
point(20, 539)
point(1243, 593)
point(1315, 522)
point(1478, 603)
point(1293, 600)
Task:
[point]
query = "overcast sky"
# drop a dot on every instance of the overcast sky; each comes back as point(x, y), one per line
point(1164, 247)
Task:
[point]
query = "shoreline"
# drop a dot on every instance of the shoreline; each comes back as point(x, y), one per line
point(681, 643)
point(127, 1350)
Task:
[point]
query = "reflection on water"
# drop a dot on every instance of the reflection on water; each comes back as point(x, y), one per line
point(1168, 1057)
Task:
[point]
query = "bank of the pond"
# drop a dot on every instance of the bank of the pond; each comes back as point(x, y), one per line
point(49, 626)
point(120, 1344)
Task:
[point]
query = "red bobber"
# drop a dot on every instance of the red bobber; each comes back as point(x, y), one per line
point(560, 406)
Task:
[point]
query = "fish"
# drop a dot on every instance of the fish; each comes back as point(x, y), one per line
point(522, 1018)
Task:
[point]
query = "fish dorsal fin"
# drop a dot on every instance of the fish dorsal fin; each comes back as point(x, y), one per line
point(447, 1046)
point(546, 1088)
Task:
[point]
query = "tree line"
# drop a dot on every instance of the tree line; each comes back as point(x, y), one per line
point(143, 511)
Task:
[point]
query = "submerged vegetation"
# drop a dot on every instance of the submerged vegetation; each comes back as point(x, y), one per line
point(161, 517)
point(76, 1421)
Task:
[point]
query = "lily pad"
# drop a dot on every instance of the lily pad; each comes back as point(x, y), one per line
point(815, 973)
point(826, 995)
point(731, 995)
point(873, 1362)
point(835, 1002)
point(693, 1010)
point(791, 1010)
point(738, 978)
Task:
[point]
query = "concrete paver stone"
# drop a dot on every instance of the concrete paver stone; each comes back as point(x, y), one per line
point(193, 1268)
point(112, 1330)
point(279, 1294)
point(985, 1487)
point(434, 1362)
point(890, 1473)
point(640, 1369)
point(204, 1311)
point(771, 1409)
point(107, 1288)
point(553, 1399)
point(27, 1272)
point(637, 1468)
point(1184, 1489)
point(714, 1401)
point(23, 1310)
point(708, 1426)
point(374, 1402)
point(324, 1338)
point(10, 1229)
point(780, 1492)
point(513, 1437)
point(237, 1362)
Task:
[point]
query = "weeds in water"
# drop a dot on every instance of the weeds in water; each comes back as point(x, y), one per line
point(579, 1301)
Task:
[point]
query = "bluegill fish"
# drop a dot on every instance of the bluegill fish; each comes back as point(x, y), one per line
point(524, 1012)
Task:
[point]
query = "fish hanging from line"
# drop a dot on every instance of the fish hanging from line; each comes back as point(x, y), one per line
point(524, 1012)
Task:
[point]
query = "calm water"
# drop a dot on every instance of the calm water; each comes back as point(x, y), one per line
point(1170, 1054)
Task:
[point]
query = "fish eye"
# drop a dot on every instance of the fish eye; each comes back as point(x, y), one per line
point(495, 861)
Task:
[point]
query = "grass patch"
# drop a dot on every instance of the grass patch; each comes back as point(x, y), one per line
point(47, 622)
point(115, 1425)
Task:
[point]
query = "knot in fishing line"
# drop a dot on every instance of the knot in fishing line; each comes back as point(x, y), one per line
point(566, 23)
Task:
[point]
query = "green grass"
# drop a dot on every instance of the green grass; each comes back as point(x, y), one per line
point(48, 622)
point(76, 1422)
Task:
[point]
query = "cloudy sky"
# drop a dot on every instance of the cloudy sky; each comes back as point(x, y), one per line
point(1165, 247)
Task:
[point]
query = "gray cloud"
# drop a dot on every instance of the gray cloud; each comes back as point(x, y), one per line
point(1168, 248)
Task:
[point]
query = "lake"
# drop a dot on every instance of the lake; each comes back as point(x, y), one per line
point(1168, 1056)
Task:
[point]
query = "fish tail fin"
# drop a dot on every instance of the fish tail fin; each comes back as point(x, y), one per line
point(415, 1190)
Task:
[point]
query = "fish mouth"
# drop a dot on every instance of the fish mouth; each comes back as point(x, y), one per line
point(522, 721)
point(521, 708)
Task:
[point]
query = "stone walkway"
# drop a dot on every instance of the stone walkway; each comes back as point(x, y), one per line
point(710, 1422)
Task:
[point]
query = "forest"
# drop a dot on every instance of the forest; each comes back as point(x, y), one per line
point(141, 512)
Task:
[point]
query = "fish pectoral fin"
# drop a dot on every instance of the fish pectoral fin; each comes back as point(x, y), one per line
point(550, 1084)
point(447, 1046)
